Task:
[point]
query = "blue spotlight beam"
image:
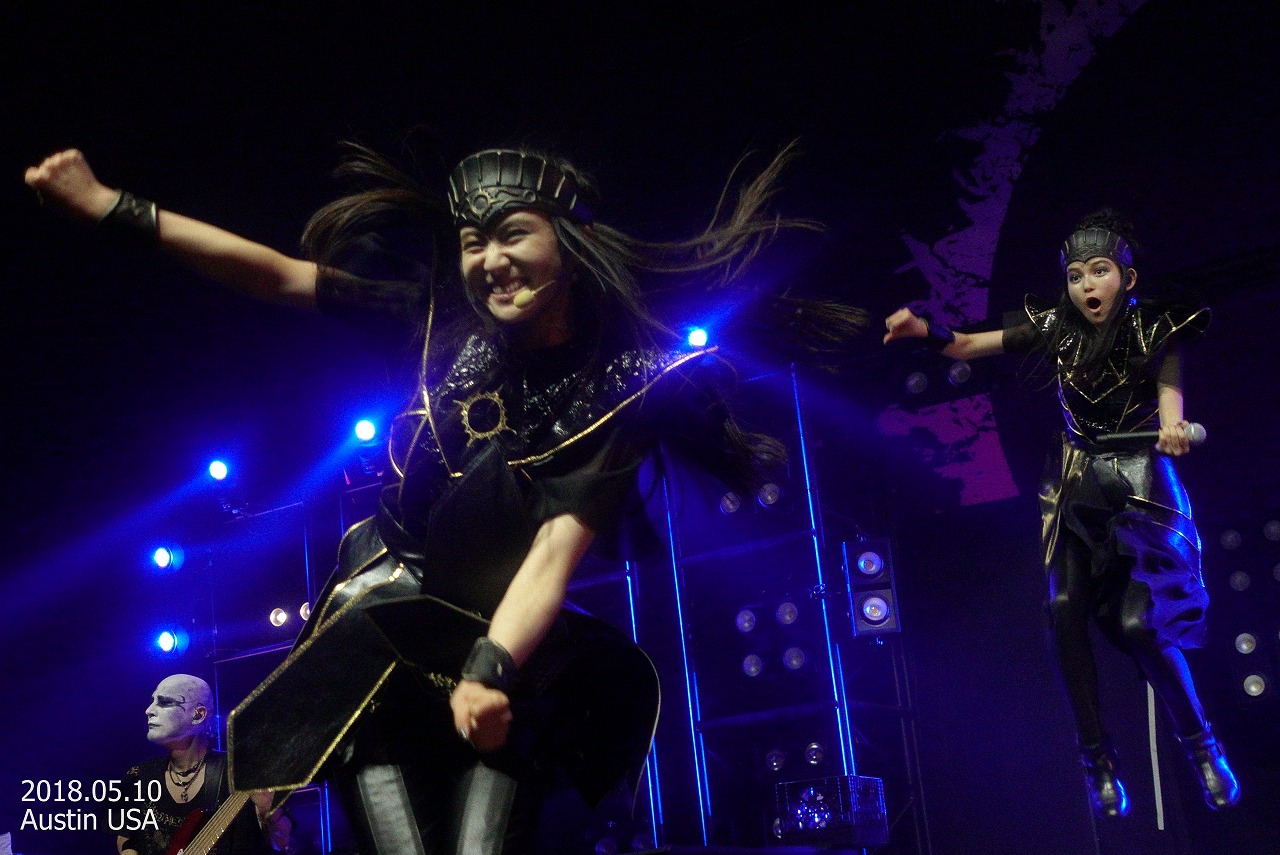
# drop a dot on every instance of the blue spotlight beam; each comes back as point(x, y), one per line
point(815, 522)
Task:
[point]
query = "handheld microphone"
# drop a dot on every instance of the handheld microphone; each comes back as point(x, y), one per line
point(1195, 433)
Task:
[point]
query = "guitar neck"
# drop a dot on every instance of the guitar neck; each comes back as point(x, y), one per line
point(217, 824)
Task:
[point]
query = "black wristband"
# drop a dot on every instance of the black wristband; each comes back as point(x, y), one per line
point(940, 335)
point(490, 663)
point(131, 219)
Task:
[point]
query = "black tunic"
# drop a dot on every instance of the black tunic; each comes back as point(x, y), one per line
point(492, 445)
point(1125, 509)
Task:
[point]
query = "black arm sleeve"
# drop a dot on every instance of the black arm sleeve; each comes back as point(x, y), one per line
point(383, 309)
point(1022, 338)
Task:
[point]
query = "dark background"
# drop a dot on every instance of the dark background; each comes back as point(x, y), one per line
point(123, 373)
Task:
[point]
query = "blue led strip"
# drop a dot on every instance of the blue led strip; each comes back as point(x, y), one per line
point(699, 760)
point(326, 820)
point(846, 726)
point(652, 782)
point(815, 523)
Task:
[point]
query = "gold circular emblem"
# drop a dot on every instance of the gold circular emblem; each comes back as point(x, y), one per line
point(490, 412)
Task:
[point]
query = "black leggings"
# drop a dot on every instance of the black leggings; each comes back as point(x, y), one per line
point(1073, 596)
point(410, 785)
point(392, 811)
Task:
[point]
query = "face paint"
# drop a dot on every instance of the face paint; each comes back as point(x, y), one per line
point(179, 710)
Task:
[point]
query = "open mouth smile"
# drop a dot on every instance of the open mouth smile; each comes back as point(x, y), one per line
point(506, 289)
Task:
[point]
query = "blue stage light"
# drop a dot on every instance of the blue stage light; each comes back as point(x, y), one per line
point(171, 641)
point(698, 337)
point(365, 430)
point(218, 470)
point(168, 557)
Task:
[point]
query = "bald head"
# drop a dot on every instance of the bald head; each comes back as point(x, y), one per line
point(181, 710)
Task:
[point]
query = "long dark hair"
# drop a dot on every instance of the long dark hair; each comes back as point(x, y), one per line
point(618, 273)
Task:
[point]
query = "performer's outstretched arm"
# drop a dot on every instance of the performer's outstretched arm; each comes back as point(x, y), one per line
point(906, 324)
point(65, 181)
point(521, 621)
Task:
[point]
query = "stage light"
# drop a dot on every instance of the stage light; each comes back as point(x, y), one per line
point(304, 611)
point(917, 382)
point(606, 846)
point(769, 495)
point(959, 373)
point(846, 810)
point(365, 430)
point(218, 470)
point(812, 812)
point(1254, 685)
point(746, 621)
point(1246, 643)
point(787, 613)
point(775, 759)
point(278, 617)
point(874, 610)
point(168, 557)
point(870, 564)
point(730, 503)
point(171, 641)
point(868, 571)
point(1230, 539)
point(793, 658)
point(698, 337)
point(1275, 572)
point(1239, 581)
point(752, 665)
point(1271, 531)
point(815, 753)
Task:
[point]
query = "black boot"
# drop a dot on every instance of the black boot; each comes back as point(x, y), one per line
point(1106, 793)
point(1217, 781)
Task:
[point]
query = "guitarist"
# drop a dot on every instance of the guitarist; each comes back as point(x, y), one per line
point(193, 779)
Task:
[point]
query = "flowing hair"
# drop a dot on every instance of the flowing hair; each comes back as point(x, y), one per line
point(620, 275)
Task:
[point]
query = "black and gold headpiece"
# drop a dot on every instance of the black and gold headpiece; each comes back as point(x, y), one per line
point(490, 183)
point(1094, 243)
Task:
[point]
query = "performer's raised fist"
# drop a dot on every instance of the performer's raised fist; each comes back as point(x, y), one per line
point(65, 181)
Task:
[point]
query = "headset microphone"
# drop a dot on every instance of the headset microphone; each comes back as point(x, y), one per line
point(525, 296)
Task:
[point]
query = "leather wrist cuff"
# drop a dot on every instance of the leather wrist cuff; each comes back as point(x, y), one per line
point(939, 335)
point(131, 219)
point(489, 663)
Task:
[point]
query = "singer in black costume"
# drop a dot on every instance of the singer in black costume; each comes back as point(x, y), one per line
point(1119, 540)
point(541, 379)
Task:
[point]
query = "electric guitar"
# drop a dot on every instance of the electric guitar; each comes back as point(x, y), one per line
point(196, 837)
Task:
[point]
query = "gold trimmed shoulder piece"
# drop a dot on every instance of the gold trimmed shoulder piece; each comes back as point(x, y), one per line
point(1041, 315)
point(1157, 324)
